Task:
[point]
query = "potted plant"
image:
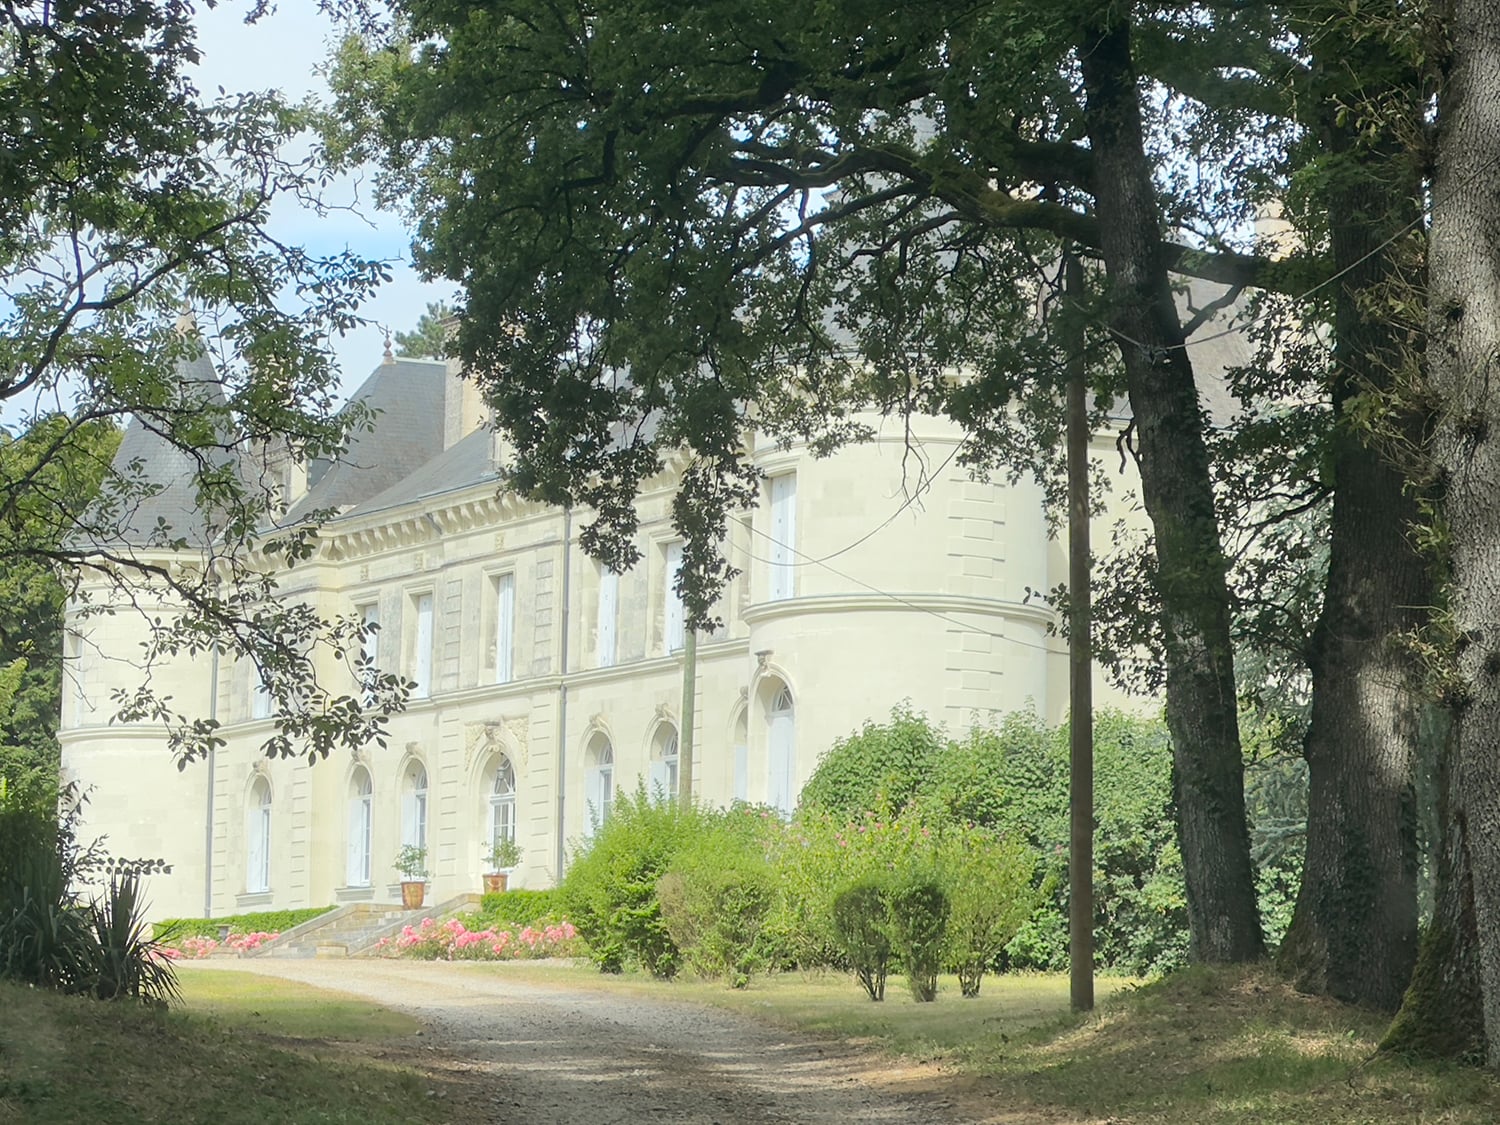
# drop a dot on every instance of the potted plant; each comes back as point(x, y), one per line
point(411, 862)
point(500, 860)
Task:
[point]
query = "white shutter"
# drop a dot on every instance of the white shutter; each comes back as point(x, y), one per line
point(260, 700)
point(674, 621)
point(505, 628)
point(256, 843)
point(609, 597)
point(783, 535)
point(354, 861)
point(660, 783)
point(422, 665)
point(371, 646)
point(411, 825)
point(779, 791)
point(741, 772)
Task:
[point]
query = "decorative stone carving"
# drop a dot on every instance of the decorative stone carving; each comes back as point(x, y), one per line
point(509, 736)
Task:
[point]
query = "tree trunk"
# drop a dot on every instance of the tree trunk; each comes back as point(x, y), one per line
point(1208, 774)
point(1463, 360)
point(1354, 930)
point(1441, 1016)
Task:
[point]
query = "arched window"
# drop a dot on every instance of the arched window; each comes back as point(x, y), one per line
point(258, 838)
point(414, 806)
point(361, 824)
point(599, 781)
point(664, 762)
point(781, 752)
point(502, 802)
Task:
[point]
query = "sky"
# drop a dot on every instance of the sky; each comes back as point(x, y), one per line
point(285, 51)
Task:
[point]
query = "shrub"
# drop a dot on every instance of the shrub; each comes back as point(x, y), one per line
point(919, 923)
point(861, 920)
point(717, 895)
point(610, 890)
point(51, 938)
point(452, 940)
point(990, 895)
point(520, 907)
point(176, 931)
point(878, 770)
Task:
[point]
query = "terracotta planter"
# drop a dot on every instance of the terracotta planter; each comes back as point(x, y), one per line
point(494, 882)
point(412, 894)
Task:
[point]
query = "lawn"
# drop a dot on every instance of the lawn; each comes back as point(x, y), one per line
point(1235, 1046)
point(223, 1058)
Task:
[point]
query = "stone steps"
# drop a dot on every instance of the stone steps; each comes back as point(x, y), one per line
point(355, 930)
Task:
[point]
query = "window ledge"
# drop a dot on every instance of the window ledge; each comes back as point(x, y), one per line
point(354, 894)
point(253, 898)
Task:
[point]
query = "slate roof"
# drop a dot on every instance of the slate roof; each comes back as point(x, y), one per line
point(407, 398)
point(164, 467)
point(466, 463)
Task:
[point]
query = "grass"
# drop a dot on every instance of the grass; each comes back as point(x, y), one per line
point(269, 1006)
point(1232, 1046)
point(225, 1059)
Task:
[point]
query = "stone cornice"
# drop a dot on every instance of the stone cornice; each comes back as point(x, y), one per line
point(946, 604)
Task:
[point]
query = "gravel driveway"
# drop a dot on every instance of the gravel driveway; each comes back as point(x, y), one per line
point(507, 1051)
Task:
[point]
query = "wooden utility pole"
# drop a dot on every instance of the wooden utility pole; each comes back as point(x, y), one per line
point(1080, 653)
point(685, 734)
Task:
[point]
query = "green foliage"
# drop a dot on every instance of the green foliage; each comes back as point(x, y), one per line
point(429, 340)
point(609, 891)
point(990, 893)
point(264, 921)
point(520, 907)
point(717, 895)
point(861, 922)
point(411, 862)
point(879, 769)
point(918, 907)
point(52, 938)
point(502, 854)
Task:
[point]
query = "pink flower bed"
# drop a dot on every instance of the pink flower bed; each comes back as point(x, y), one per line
point(196, 948)
point(453, 941)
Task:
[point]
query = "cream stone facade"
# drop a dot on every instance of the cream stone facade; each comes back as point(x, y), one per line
point(548, 685)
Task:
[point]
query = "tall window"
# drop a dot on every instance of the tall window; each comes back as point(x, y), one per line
point(783, 536)
point(502, 802)
point(505, 628)
point(414, 807)
point(260, 696)
point(599, 782)
point(665, 762)
point(74, 671)
point(369, 649)
point(781, 750)
point(421, 665)
point(673, 620)
point(361, 825)
point(609, 599)
point(258, 838)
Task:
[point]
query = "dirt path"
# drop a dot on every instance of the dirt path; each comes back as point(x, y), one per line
point(507, 1051)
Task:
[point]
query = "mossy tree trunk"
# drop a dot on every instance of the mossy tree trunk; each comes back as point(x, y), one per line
point(1463, 361)
point(1208, 774)
point(1354, 931)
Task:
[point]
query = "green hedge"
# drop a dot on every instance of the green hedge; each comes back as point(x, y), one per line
point(521, 908)
point(266, 921)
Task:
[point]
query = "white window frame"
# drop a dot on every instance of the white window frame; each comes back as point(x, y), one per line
point(600, 781)
point(504, 586)
point(369, 648)
point(674, 631)
point(605, 639)
point(666, 762)
point(361, 828)
point(502, 802)
point(73, 668)
point(783, 567)
point(258, 838)
point(414, 806)
point(424, 621)
point(781, 752)
point(260, 695)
